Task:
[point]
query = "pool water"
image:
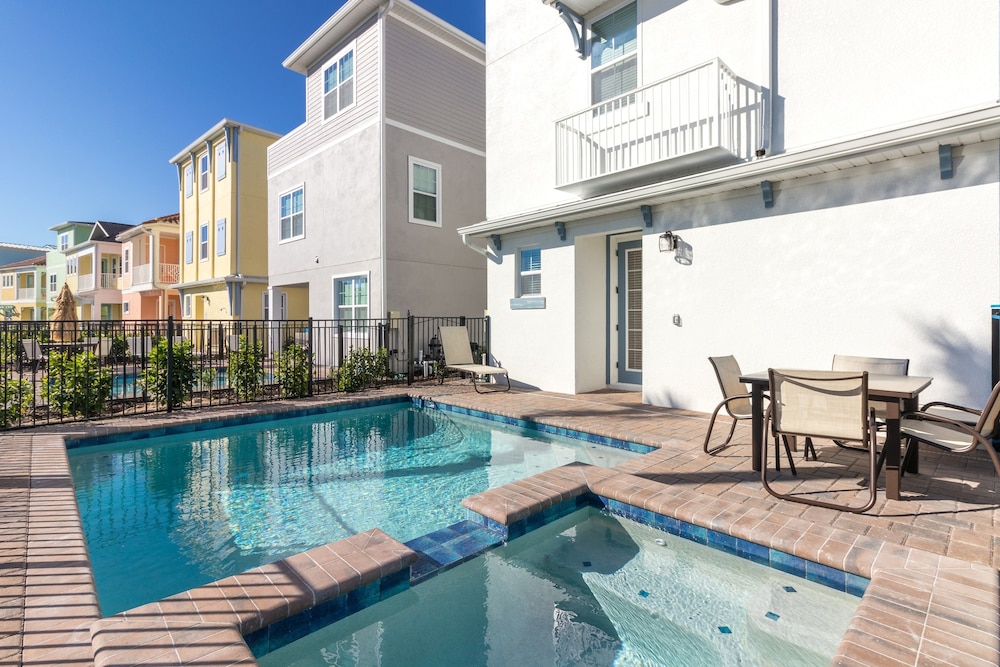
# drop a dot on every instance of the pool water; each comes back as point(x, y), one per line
point(164, 515)
point(591, 590)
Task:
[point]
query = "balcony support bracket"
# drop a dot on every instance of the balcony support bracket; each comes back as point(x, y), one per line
point(767, 191)
point(575, 24)
point(561, 230)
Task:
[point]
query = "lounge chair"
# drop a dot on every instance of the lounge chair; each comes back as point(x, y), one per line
point(953, 435)
point(458, 356)
point(735, 398)
point(31, 355)
point(822, 404)
point(139, 347)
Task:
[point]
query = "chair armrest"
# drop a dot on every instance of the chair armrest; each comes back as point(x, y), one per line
point(942, 404)
point(964, 428)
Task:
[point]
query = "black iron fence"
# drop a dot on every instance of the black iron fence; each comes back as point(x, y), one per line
point(96, 369)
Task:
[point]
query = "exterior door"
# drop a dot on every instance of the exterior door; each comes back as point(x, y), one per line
point(630, 312)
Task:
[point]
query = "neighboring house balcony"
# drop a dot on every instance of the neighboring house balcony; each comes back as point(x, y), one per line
point(168, 274)
point(87, 282)
point(696, 120)
point(30, 294)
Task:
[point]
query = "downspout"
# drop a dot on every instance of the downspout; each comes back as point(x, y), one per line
point(385, 9)
point(482, 251)
point(770, 63)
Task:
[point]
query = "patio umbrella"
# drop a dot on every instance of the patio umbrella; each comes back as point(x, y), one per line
point(62, 326)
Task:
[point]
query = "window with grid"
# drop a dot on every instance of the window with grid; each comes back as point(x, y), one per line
point(8, 280)
point(63, 241)
point(530, 271)
point(614, 54)
point(292, 219)
point(352, 298)
point(203, 242)
point(338, 84)
point(425, 192)
point(126, 253)
point(204, 168)
point(53, 282)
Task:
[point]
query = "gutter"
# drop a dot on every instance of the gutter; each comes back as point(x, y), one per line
point(951, 129)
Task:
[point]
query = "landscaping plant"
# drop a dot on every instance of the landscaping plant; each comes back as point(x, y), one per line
point(293, 371)
point(77, 384)
point(246, 369)
point(182, 372)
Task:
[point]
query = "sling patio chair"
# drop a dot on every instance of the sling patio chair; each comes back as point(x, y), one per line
point(31, 355)
point(876, 365)
point(458, 356)
point(821, 404)
point(953, 435)
point(735, 398)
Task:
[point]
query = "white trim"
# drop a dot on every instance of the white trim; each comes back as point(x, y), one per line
point(189, 180)
point(434, 137)
point(349, 48)
point(324, 147)
point(221, 160)
point(189, 247)
point(220, 239)
point(204, 256)
point(620, 59)
point(438, 202)
point(521, 272)
point(291, 229)
point(187, 305)
point(205, 175)
point(367, 275)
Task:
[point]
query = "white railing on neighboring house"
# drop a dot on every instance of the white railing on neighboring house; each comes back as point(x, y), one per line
point(706, 107)
point(142, 273)
point(27, 294)
point(109, 281)
point(170, 273)
point(85, 282)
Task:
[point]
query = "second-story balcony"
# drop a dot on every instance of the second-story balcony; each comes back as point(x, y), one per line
point(30, 294)
point(86, 281)
point(168, 274)
point(699, 119)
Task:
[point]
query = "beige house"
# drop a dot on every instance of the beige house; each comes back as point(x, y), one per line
point(222, 186)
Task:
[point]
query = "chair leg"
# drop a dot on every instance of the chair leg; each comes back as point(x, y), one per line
point(810, 448)
point(788, 453)
point(711, 427)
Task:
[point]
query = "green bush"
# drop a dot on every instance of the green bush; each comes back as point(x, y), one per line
point(15, 401)
point(362, 368)
point(182, 373)
point(10, 346)
point(246, 369)
point(293, 371)
point(76, 384)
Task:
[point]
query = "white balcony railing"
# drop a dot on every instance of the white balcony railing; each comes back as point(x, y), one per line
point(28, 294)
point(108, 281)
point(85, 282)
point(703, 117)
point(170, 273)
point(142, 273)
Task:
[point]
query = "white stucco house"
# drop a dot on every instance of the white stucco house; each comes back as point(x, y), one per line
point(365, 197)
point(670, 180)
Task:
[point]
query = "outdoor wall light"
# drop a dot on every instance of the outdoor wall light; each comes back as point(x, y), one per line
point(670, 242)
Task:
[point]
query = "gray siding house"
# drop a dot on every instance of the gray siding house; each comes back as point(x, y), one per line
point(365, 197)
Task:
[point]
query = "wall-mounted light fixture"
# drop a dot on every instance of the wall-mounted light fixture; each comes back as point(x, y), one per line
point(670, 242)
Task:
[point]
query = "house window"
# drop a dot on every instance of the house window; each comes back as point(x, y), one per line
point(266, 305)
point(29, 281)
point(188, 247)
point(204, 168)
point(425, 192)
point(220, 161)
point(188, 180)
point(125, 307)
point(530, 272)
point(72, 265)
point(125, 260)
point(338, 84)
point(187, 305)
point(220, 237)
point(63, 241)
point(8, 280)
point(614, 54)
point(203, 242)
point(53, 282)
point(292, 215)
point(352, 298)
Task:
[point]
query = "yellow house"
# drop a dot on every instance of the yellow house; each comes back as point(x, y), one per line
point(22, 289)
point(222, 179)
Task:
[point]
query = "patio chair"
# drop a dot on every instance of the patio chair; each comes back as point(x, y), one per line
point(953, 435)
point(31, 355)
point(822, 404)
point(139, 347)
point(735, 398)
point(458, 356)
point(877, 365)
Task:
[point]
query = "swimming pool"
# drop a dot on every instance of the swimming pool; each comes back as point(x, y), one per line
point(163, 515)
point(591, 589)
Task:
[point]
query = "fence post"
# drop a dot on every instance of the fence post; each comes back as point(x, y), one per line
point(409, 348)
point(170, 363)
point(309, 354)
point(340, 345)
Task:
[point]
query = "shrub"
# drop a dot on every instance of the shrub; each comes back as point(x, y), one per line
point(362, 368)
point(293, 371)
point(182, 375)
point(76, 384)
point(10, 345)
point(15, 401)
point(246, 369)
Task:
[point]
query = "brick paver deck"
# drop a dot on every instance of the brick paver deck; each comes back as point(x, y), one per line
point(934, 602)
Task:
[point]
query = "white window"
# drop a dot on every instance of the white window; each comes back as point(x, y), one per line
point(187, 305)
point(203, 242)
point(338, 83)
point(614, 50)
point(351, 294)
point(292, 215)
point(220, 237)
point(125, 307)
point(204, 168)
point(425, 192)
point(29, 281)
point(530, 272)
point(125, 260)
point(188, 180)
point(72, 266)
point(221, 160)
point(53, 282)
point(188, 247)
point(8, 280)
point(266, 305)
point(63, 241)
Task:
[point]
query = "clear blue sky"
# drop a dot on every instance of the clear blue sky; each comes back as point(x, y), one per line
point(96, 96)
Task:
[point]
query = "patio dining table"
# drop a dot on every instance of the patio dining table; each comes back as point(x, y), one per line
point(898, 392)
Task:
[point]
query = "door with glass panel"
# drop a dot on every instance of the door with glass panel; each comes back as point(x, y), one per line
point(630, 312)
